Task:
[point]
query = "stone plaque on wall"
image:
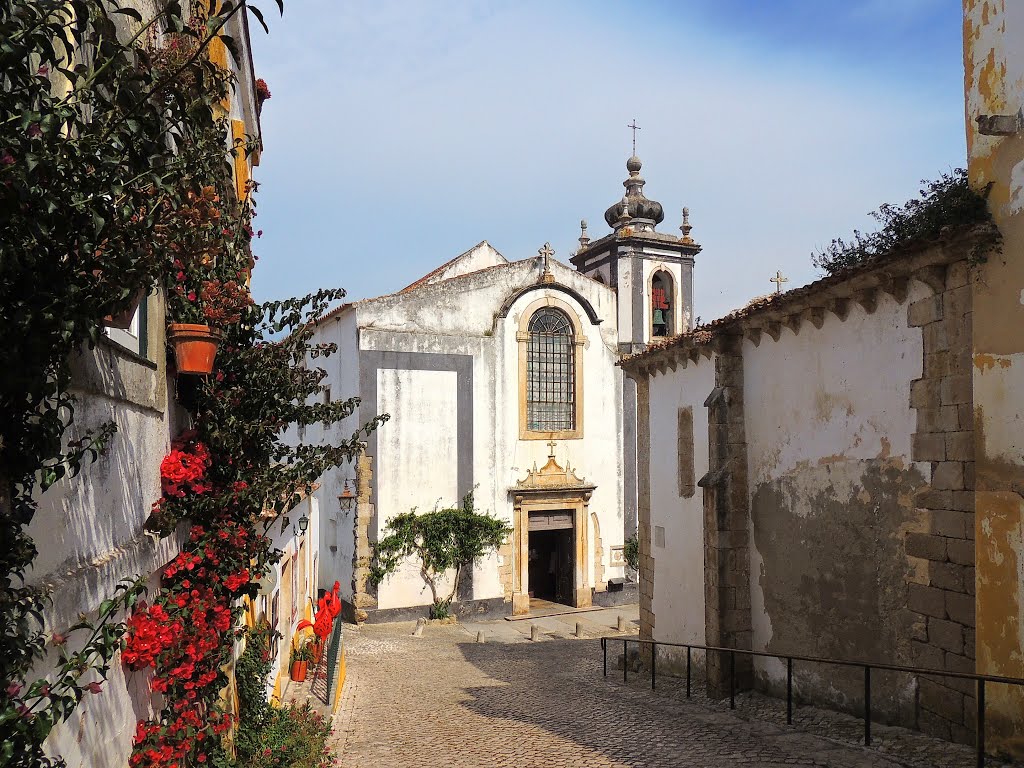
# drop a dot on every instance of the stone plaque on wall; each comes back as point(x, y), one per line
point(618, 556)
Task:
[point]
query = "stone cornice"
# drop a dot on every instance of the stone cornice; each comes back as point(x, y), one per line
point(765, 318)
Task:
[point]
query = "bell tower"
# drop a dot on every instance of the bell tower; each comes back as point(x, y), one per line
point(651, 271)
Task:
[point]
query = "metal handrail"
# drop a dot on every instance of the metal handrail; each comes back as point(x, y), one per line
point(790, 658)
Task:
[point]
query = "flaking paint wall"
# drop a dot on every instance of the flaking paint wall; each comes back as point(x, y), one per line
point(828, 428)
point(994, 85)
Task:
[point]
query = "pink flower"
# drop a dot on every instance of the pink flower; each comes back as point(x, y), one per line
point(43, 70)
point(58, 638)
point(6, 158)
point(191, 295)
point(34, 130)
point(94, 687)
point(12, 690)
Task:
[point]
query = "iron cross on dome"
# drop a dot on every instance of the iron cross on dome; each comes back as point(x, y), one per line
point(635, 128)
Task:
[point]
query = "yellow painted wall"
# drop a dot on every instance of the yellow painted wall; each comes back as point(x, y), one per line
point(994, 85)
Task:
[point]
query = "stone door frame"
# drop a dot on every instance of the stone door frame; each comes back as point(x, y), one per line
point(575, 501)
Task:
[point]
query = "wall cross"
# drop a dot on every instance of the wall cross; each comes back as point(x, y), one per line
point(778, 280)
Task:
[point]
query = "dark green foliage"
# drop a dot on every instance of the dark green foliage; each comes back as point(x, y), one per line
point(292, 737)
point(947, 203)
point(442, 540)
point(251, 671)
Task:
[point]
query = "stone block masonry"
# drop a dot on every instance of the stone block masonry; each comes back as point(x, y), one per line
point(942, 555)
point(726, 515)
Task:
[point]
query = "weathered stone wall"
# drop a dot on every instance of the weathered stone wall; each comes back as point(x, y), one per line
point(89, 529)
point(940, 550)
point(726, 535)
point(839, 488)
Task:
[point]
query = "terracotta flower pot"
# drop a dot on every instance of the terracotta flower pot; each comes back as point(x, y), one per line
point(195, 346)
point(318, 649)
point(123, 319)
point(299, 669)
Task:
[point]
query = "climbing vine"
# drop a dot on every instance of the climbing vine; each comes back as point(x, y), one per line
point(114, 181)
point(442, 540)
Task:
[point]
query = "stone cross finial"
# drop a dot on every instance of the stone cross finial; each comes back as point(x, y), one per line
point(551, 445)
point(546, 253)
point(778, 280)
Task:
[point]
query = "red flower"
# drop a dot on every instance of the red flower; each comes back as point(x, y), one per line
point(191, 295)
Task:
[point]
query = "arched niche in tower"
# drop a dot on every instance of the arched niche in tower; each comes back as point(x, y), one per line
point(663, 304)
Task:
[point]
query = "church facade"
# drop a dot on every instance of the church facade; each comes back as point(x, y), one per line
point(499, 378)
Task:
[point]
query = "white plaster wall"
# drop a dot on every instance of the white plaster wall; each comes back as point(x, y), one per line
point(826, 396)
point(597, 456)
point(678, 602)
point(89, 532)
point(343, 378)
point(417, 460)
point(625, 299)
point(480, 256)
point(416, 455)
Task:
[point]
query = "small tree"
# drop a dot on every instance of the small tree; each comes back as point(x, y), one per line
point(442, 540)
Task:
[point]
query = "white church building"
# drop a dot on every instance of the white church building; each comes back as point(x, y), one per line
point(500, 378)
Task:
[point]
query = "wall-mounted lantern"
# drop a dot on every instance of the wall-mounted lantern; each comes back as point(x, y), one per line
point(347, 498)
point(303, 523)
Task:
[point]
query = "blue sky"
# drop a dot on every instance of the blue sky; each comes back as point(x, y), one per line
point(401, 133)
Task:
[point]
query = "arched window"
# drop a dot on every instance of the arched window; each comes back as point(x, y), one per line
point(662, 309)
point(550, 372)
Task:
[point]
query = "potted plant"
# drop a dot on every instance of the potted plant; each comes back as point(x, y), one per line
point(217, 303)
point(301, 656)
point(203, 296)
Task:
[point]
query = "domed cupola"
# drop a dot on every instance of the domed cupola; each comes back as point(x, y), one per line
point(634, 210)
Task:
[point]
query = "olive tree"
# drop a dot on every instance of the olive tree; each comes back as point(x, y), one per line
point(441, 540)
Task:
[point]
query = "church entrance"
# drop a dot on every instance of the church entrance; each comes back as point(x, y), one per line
point(551, 549)
point(552, 559)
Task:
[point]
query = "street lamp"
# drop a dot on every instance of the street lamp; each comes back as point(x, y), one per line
point(303, 523)
point(346, 498)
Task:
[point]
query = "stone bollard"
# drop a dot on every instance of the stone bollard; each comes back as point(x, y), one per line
point(480, 637)
point(534, 632)
point(420, 623)
point(622, 623)
point(579, 629)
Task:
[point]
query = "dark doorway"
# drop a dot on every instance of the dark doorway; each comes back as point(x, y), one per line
point(551, 565)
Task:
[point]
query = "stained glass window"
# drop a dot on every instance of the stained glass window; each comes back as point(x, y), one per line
point(550, 373)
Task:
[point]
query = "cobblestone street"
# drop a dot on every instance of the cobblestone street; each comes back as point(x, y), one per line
point(443, 699)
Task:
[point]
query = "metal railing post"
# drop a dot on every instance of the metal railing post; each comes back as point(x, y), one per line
point(654, 659)
point(789, 691)
point(625, 660)
point(867, 706)
point(687, 671)
point(604, 653)
point(981, 724)
point(732, 680)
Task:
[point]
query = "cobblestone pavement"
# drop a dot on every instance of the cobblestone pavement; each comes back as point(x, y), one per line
point(445, 700)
